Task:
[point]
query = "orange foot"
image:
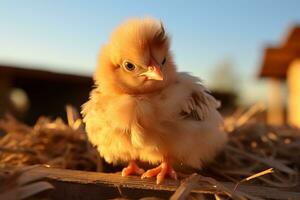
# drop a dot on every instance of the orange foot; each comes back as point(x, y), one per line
point(165, 168)
point(132, 168)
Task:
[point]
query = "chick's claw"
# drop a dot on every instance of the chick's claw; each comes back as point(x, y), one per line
point(132, 168)
point(160, 172)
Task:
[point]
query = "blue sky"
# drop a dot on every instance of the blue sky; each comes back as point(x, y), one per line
point(66, 35)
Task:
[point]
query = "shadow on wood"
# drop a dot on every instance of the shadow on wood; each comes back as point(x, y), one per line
point(73, 184)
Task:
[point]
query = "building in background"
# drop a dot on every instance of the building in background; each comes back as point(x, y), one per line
point(29, 93)
point(281, 63)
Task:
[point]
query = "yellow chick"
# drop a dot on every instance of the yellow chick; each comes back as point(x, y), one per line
point(143, 109)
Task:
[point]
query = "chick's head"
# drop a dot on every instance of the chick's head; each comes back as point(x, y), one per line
point(137, 59)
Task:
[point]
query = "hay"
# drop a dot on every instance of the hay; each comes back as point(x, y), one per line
point(50, 142)
point(256, 153)
point(254, 147)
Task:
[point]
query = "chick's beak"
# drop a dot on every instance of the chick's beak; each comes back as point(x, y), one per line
point(153, 72)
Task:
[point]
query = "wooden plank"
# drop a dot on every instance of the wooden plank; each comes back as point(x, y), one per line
point(106, 185)
point(5, 84)
point(72, 184)
point(32, 72)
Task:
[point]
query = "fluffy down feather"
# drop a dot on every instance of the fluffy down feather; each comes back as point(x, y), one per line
point(147, 127)
point(132, 117)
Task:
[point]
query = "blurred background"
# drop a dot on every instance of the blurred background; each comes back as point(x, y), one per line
point(244, 51)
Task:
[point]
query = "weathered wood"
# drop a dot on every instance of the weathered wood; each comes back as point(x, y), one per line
point(5, 83)
point(16, 72)
point(72, 184)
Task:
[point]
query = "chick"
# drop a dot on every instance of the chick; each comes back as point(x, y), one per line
point(143, 109)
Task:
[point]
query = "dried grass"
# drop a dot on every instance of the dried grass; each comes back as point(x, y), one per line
point(254, 147)
point(50, 142)
point(256, 154)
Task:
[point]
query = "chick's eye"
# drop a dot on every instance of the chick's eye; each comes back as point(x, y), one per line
point(164, 61)
point(129, 66)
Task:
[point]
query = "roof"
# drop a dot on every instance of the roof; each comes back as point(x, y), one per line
point(17, 72)
point(277, 59)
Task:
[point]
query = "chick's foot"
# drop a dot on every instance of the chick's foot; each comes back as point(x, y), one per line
point(165, 168)
point(132, 168)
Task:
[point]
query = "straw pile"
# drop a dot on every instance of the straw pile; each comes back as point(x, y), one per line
point(256, 153)
point(254, 147)
point(49, 142)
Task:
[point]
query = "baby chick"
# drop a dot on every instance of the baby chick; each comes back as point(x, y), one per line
point(143, 109)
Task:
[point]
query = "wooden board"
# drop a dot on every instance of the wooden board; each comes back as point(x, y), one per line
point(73, 185)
